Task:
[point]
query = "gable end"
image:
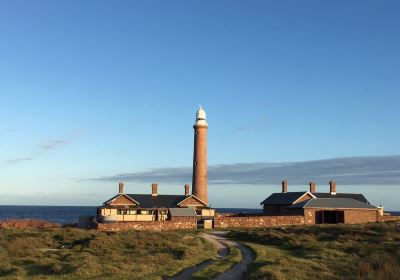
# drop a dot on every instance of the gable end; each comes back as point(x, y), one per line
point(191, 201)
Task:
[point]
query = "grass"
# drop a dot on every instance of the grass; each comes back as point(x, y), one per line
point(219, 266)
point(369, 251)
point(69, 253)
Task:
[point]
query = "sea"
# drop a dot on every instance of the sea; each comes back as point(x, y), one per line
point(70, 214)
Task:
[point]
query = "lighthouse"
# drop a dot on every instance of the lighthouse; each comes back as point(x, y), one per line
point(199, 183)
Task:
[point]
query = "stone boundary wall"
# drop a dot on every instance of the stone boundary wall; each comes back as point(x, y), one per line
point(23, 223)
point(176, 223)
point(255, 221)
point(387, 218)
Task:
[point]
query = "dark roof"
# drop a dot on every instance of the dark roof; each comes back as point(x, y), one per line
point(182, 212)
point(159, 201)
point(283, 198)
point(356, 196)
point(336, 203)
point(290, 197)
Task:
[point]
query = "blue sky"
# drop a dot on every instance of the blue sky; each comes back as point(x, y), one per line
point(93, 89)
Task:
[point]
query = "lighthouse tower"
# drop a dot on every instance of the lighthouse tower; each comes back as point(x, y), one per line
point(199, 183)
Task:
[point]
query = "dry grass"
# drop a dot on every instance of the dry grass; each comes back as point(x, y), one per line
point(67, 253)
point(370, 251)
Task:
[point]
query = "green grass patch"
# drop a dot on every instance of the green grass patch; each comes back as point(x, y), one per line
point(68, 253)
point(220, 265)
point(369, 251)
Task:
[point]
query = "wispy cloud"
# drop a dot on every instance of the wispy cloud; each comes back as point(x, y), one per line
point(381, 170)
point(257, 124)
point(17, 160)
point(10, 130)
point(52, 144)
point(246, 127)
point(43, 148)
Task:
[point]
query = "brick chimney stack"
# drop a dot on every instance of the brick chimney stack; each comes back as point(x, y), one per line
point(312, 187)
point(154, 188)
point(187, 189)
point(284, 186)
point(121, 187)
point(332, 186)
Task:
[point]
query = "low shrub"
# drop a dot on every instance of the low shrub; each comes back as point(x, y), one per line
point(70, 253)
point(368, 251)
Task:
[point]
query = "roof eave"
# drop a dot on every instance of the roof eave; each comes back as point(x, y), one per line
point(338, 208)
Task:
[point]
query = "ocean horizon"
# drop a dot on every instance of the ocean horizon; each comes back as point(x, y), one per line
point(70, 214)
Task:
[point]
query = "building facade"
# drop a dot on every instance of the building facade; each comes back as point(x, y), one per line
point(152, 207)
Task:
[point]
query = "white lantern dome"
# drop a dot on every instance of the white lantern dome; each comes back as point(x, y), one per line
point(201, 117)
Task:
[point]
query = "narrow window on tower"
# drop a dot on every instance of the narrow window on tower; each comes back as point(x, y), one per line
point(195, 163)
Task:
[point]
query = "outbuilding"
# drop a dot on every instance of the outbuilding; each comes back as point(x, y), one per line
point(322, 208)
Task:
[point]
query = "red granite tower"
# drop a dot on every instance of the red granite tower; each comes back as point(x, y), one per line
point(199, 183)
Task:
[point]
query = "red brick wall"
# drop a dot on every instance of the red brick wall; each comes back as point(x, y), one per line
point(232, 221)
point(354, 216)
point(176, 223)
point(199, 182)
point(351, 216)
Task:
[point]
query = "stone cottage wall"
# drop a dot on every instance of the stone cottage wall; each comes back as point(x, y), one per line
point(176, 223)
point(255, 221)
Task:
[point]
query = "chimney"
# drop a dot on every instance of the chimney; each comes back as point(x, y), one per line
point(154, 189)
point(187, 189)
point(121, 187)
point(284, 186)
point(332, 185)
point(312, 187)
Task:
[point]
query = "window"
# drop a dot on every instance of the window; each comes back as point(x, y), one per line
point(126, 212)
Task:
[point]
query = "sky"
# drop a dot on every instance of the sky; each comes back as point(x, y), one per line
point(92, 92)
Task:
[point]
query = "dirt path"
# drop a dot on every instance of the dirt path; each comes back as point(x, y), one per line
point(187, 273)
point(235, 273)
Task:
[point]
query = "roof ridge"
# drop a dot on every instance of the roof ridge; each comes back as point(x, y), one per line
point(338, 198)
point(155, 195)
